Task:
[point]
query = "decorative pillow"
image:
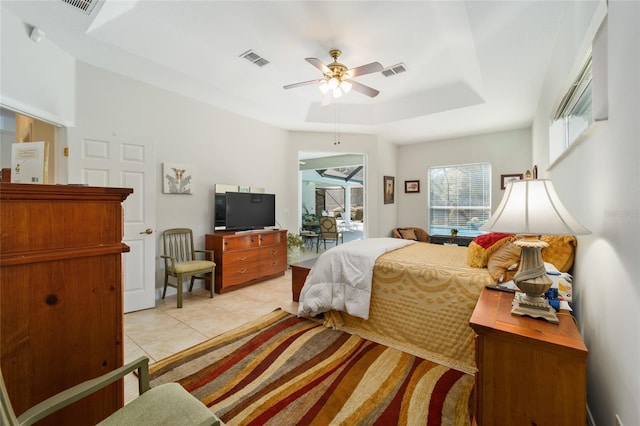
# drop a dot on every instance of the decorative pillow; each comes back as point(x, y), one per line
point(483, 246)
point(561, 251)
point(408, 234)
point(503, 263)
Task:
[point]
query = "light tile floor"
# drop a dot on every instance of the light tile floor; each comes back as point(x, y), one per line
point(165, 330)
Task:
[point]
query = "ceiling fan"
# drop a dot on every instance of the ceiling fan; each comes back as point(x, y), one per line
point(337, 78)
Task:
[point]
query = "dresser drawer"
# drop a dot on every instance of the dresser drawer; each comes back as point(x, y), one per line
point(240, 274)
point(273, 238)
point(241, 242)
point(273, 251)
point(240, 258)
point(273, 262)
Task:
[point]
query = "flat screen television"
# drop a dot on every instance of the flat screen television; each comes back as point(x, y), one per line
point(245, 210)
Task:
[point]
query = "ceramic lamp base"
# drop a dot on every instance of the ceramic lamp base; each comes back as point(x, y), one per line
point(522, 305)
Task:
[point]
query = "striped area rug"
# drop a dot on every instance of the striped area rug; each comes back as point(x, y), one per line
point(285, 370)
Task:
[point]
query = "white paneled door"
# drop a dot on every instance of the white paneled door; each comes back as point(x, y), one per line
point(118, 160)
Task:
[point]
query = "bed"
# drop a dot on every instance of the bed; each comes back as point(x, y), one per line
point(418, 297)
point(422, 296)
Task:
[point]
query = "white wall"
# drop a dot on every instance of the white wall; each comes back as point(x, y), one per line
point(37, 78)
point(508, 152)
point(599, 182)
point(221, 147)
point(386, 164)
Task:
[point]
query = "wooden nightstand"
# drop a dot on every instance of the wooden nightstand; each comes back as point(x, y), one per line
point(299, 272)
point(530, 372)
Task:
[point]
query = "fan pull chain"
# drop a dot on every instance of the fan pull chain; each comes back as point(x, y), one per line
point(336, 130)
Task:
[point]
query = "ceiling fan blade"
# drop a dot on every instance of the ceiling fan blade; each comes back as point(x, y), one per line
point(365, 90)
point(303, 83)
point(318, 64)
point(365, 69)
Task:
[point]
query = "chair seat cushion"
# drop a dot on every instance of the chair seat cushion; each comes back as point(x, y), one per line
point(193, 265)
point(167, 404)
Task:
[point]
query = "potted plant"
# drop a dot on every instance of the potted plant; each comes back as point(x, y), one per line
point(454, 233)
point(294, 245)
point(294, 240)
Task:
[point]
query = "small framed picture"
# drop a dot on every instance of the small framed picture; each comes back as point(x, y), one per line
point(411, 186)
point(505, 179)
point(176, 178)
point(389, 189)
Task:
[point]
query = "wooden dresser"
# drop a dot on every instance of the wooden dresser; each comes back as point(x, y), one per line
point(530, 372)
point(246, 258)
point(61, 295)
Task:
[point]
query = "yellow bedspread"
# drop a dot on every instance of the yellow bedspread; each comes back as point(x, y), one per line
point(422, 298)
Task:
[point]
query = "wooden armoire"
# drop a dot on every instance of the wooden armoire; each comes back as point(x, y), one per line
point(61, 307)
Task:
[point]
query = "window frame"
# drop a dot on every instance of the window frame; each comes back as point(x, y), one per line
point(571, 102)
point(471, 227)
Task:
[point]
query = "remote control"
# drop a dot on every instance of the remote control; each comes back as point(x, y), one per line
point(500, 288)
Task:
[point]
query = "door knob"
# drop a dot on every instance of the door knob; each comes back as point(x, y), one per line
point(148, 231)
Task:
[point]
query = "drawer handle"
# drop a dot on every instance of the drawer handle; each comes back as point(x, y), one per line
point(242, 271)
point(274, 252)
point(242, 259)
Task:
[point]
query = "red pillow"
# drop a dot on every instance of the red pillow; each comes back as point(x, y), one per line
point(487, 240)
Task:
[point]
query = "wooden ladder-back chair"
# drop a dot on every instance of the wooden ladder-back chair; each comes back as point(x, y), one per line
point(329, 231)
point(180, 261)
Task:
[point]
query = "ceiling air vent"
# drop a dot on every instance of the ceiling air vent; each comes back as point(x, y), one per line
point(396, 69)
point(84, 5)
point(253, 57)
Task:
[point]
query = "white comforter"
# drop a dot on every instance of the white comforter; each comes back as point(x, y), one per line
point(341, 278)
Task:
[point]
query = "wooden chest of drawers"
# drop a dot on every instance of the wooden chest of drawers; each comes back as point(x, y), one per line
point(246, 258)
point(61, 295)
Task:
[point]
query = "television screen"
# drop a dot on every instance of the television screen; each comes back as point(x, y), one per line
point(245, 210)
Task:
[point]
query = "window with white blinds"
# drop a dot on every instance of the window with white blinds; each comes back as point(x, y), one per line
point(459, 198)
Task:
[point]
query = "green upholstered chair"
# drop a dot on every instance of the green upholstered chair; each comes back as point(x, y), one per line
point(180, 261)
point(167, 404)
point(328, 231)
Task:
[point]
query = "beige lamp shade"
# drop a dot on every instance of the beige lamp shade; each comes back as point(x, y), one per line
point(532, 207)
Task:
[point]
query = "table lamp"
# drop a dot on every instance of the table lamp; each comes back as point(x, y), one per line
point(532, 208)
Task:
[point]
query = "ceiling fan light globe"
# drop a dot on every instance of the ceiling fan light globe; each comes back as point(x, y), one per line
point(324, 87)
point(337, 92)
point(345, 86)
point(333, 83)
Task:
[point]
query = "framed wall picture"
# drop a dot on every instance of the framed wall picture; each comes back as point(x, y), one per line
point(505, 179)
point(411, 186)
point(389, 189)
point(176, 178)
point(28, 162)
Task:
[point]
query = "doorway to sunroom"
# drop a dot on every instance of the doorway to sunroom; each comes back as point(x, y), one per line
point(332, 184)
